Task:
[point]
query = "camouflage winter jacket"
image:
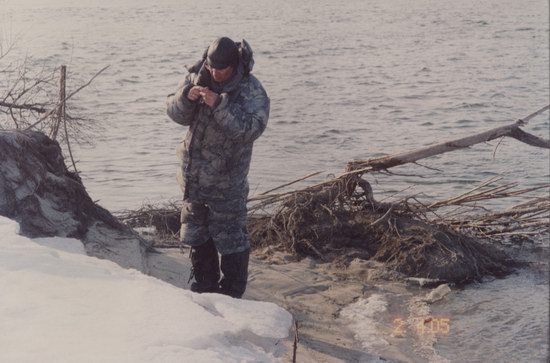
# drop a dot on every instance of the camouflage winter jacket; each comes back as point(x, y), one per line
point(216, 152)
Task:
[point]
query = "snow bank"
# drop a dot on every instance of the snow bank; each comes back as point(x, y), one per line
point(59, 305)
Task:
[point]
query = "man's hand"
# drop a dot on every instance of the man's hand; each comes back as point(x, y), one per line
point(195, 93)
point(209, 97)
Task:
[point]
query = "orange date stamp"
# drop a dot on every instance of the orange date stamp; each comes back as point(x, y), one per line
point(428, 325)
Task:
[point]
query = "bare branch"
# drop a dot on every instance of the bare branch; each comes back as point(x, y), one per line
point(511, 130)
point(292, 182)
point(31, 107)
point(529, 139)
point(67, 98)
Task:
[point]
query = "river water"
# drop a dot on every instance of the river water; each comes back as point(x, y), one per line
point(347, 80)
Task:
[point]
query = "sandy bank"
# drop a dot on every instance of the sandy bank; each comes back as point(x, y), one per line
point(317, 294)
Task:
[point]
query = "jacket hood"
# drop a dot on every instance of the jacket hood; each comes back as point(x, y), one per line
point(246, 55)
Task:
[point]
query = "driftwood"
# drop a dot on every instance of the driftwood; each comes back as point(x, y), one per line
point(358, 168)
point(164, 218)
point(331, 218)
point(512, 130)
point(340, 219)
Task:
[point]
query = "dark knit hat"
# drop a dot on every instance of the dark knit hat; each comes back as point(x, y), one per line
point(222, 53)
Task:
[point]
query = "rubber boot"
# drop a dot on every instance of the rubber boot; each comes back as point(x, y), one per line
point(235, 273)
point(206, 268)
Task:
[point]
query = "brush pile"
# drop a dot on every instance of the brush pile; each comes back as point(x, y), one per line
point(339, 219)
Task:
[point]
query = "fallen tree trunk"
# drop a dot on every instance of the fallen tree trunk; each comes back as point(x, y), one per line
point(512, 130)
point(331, 217)
point(357, 168)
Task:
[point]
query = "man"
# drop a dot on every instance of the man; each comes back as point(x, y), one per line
point(226, 109)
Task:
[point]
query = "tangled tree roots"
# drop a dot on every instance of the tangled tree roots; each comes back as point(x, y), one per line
point(165, 219)
point(329, 224)
point(417, 249)
point(342, 221)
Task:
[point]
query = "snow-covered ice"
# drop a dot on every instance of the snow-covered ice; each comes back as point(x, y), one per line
point(362, 319)
point(59, 305)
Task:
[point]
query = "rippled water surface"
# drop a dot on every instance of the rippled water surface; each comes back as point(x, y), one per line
point(347, 80)
point(515, 324)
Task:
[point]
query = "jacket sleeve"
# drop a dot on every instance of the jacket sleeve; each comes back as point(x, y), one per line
point(245, 121)
point(178, 106)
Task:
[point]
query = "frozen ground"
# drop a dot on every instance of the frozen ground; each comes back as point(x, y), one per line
point(59, 305)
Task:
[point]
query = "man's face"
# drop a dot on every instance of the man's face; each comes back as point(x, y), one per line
point(220, 75)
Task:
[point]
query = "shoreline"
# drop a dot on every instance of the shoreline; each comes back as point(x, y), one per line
point(388, 317)
point(309, 294)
